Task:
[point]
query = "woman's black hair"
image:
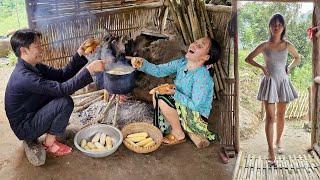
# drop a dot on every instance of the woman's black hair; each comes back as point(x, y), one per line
point(23, 38)
point(214, 52)
point(277, 18)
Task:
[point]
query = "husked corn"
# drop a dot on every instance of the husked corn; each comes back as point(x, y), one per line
point(86, 147)
point(83, 143)
point(89, 49)
point(141, 134)
point(150, 144)
point(130, 142)
point(91, 145)
point(96, 137)
point(98, 145)
point(108, 142)
point(137, 138)
point(103, 139)
point(144, 142)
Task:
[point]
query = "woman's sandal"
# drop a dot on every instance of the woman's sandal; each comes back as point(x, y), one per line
point(170, 139)
point(58, 149)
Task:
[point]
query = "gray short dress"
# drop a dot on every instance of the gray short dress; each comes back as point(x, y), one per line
point(276, 87)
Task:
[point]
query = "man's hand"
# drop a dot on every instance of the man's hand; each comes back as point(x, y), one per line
point(135, 61)
point(97, 66)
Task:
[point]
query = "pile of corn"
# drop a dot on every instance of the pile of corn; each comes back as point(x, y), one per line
point(141, 139)
point(99, 142)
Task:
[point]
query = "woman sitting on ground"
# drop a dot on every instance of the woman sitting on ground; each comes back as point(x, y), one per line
point(186, 108)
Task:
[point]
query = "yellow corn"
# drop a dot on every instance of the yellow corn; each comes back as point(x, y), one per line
point(108, 142)
point(96, 137)
point(144, 142)
point(137, 138)
point(83, 143)
point(130, 142)
point(98, 145)
point(91, 145)
point(150, 144)
point(89, 50)
point(86, 147)
point(103, 138)
point(141, 134)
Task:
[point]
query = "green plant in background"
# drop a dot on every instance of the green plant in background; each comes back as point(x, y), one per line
point(12, 58)
point(13, 15)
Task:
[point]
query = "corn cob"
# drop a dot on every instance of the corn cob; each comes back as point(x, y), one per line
point(98, 145)
point(83, 143)
point(96, 137)
point(137, 138)
point(103, 138)
point(150, 144)
point(108, 142)
point(144, 142)
point(86, 148)
point(91, 145)
point(141, 134)
point(130, 142)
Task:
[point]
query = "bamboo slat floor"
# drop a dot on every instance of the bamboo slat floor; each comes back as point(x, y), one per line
point(289, 167)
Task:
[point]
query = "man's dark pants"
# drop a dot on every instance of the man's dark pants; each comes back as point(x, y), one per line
point(52, 118)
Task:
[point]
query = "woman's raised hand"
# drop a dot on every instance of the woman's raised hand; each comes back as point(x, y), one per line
point(135, 61)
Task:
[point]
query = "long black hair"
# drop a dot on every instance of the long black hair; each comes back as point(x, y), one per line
point(277, 18)
point(214, 52)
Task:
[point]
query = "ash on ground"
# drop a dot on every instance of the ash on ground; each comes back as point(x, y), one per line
point(128, 112)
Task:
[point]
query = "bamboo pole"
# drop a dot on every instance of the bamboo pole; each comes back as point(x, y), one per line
point(181, 23)
point(236, 76)
point(194, 21)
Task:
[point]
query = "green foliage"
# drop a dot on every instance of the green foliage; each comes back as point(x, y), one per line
point(13, 15)
point(12, 58)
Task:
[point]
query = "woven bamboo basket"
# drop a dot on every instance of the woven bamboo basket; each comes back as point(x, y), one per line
point(153, 132)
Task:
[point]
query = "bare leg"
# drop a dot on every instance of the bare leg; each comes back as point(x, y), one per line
point(172, 117)
point(281, 109)
point(270, 116)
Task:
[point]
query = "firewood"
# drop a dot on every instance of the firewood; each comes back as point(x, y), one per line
point(86, 100)
point(77, 109)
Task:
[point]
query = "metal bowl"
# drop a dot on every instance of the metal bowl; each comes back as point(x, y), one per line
point(90, 131)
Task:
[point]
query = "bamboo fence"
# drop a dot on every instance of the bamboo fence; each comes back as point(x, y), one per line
point(298, 108)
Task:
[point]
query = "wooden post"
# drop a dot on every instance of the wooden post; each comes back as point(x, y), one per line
point(236, 76)
point(315, 73)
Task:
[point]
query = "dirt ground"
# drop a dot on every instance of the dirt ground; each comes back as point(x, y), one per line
point(182, 161)
point(295, 139)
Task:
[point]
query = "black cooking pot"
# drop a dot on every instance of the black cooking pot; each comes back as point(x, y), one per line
point(119, 83)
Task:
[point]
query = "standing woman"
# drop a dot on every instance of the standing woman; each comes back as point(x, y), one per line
point(276, 89)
